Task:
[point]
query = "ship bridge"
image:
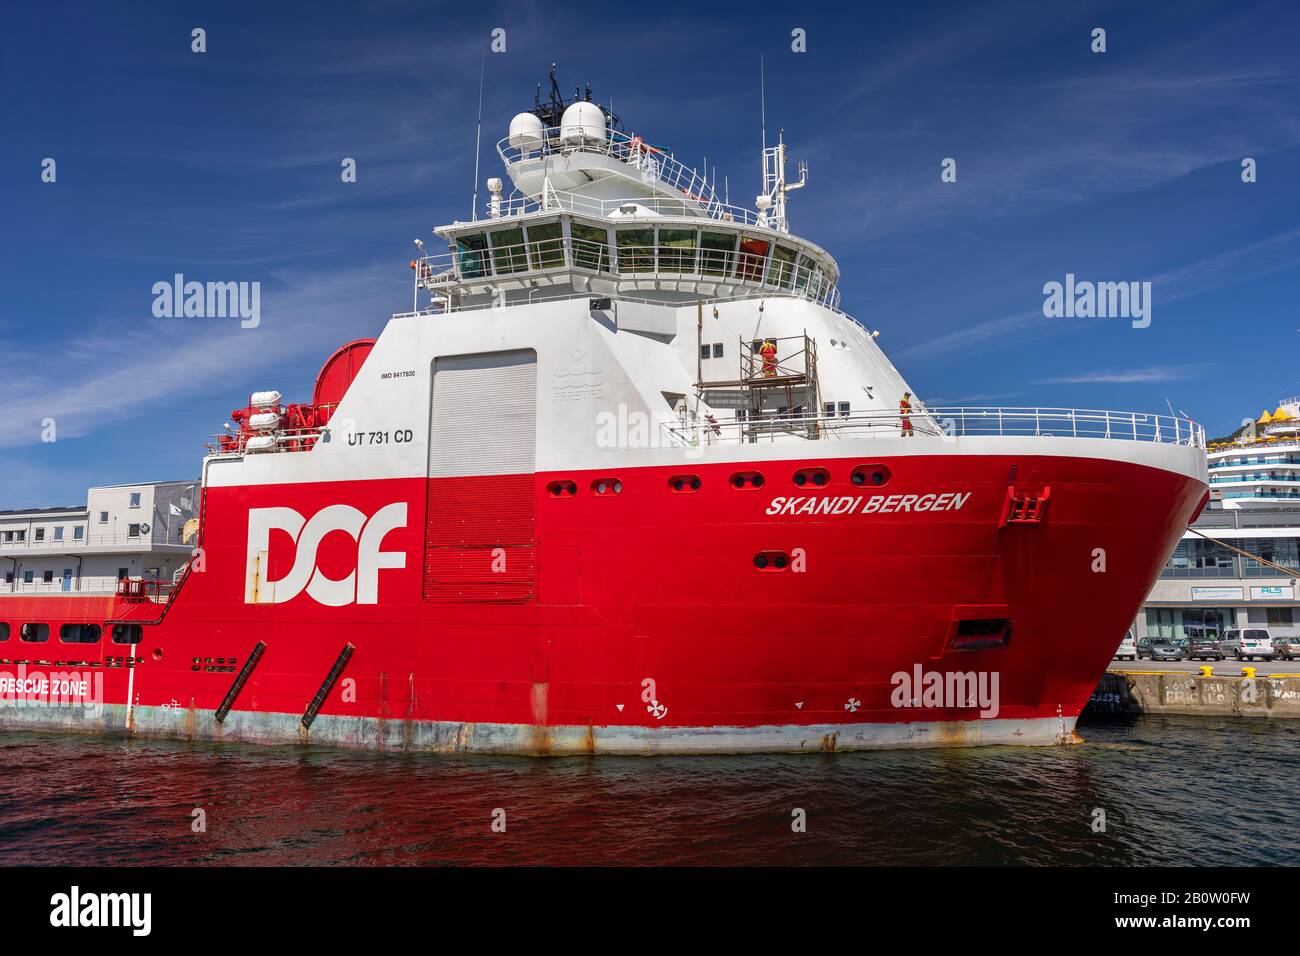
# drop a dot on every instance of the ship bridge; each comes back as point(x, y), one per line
point(596, 210)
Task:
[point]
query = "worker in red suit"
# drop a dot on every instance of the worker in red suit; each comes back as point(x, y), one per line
point(904, 414)
point(768, 351)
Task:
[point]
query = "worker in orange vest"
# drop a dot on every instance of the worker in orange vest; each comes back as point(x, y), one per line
point(768, 351)
point(904, 413)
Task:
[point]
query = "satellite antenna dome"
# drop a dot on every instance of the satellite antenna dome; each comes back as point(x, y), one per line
point(582, 122)
point(526, 132)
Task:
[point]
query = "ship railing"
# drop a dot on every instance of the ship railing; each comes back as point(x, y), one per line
point(953, 422)
point(144, 590)
point(237, 443)
point(642, 157)
point(670, 263)
point(620, 208)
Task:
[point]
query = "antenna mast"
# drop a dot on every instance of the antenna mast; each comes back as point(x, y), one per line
point(478, 133)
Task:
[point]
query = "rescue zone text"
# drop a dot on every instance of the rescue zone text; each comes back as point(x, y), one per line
point(876, 504)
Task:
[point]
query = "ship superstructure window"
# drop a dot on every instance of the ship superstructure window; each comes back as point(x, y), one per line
point(28, 577)
point(135, 499)
point(716, 249)
point(676, 250)
point(508, 251)
point(127, 633)
point(47, 577)
point(34, 633)
point(471, 256)
point(717, 350)
point(9, 577)
point(546, 244)
point(40, 534)
point(782, 267)
point(753, 253)
point(58, 533)
point(636, 252)
point(844, 409)
point(78, 533)
point(79, 633)
point(122, 573)
point(4, 630)
point(103, 517)
point(133, 531)
point(590, 247)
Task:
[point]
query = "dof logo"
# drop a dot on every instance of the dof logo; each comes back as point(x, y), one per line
point(358, 587)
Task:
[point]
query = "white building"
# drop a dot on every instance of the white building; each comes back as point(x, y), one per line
point(1254, 507)
point(122, 531)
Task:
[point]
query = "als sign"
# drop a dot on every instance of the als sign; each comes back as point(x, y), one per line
point(358, 587)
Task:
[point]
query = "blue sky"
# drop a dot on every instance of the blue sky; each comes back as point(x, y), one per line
point(225, 166)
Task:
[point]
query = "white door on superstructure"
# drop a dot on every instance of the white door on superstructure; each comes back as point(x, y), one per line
point(479, 537)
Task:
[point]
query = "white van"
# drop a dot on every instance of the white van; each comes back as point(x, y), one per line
point(1128, 649)
point(1248, 643)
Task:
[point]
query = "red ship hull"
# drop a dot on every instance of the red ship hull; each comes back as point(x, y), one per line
point(637, 621)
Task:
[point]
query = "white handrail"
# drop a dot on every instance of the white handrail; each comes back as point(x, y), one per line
point(949, 422)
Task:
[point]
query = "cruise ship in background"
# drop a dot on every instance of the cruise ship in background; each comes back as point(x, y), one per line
point(626, 480)
point(1207, 587)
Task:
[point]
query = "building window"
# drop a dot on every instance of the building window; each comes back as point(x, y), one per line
point(133, 531)
point(21, 535)
point(40, 534)
point(135, 499)
point(9, 536)
point(78, 533)
point(103, 517)
point(58, 533)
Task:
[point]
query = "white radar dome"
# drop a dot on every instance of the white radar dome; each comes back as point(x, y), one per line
point(582, 123)
point(526, 132)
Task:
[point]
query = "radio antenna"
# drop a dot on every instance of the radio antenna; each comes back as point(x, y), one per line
point(478, 132)
point(762, 109)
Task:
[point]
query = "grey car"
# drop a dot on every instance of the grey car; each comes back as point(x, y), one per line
point(1166, 651)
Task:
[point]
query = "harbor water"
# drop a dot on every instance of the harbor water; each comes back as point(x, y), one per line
point(1173, 790)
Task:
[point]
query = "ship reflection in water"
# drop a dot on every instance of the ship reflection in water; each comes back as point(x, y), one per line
point(1171, 789)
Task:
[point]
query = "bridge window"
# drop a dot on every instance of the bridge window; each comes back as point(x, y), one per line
point(508, 251)
point(676, 250)
point(802, 274)
point(716, 249)
point(782, 267)
point(471, 256)
point(590, 247)
point(749, 264)
point(636, 252)
point(546, 244)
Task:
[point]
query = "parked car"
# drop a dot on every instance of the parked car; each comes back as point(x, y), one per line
point(1144, 646)
point(1286, 648)
point(1204, 649)
point(1165, 650)
point(1128, 648)
point(1248, 643)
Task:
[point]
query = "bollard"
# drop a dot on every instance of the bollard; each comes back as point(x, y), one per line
point(1248, 672)
point(1207, 670)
